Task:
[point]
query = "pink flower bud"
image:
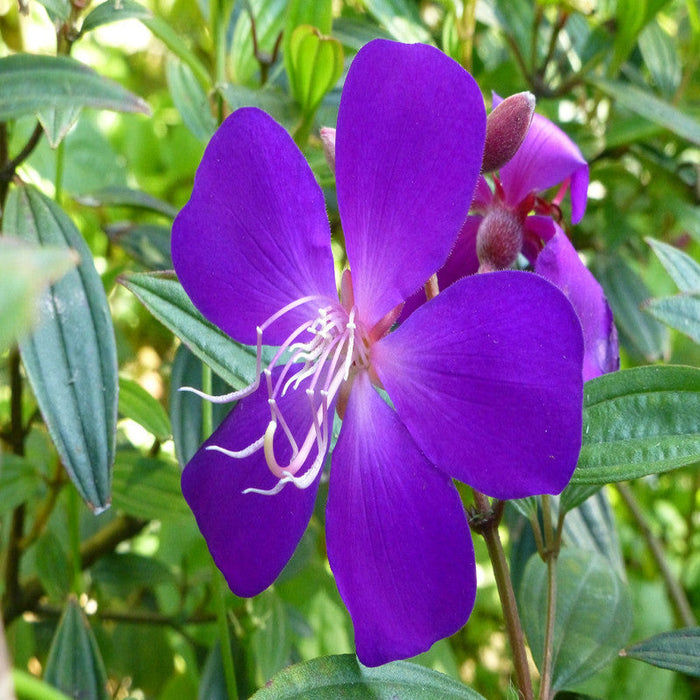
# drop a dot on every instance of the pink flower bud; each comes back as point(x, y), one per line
point(328, 139)
point(499, 240)
point(506, 128)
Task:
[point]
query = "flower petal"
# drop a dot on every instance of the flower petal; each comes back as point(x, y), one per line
point(254, 235)
point(546, 158)
point(398, 540)
point(487, 378)
point(409, 144)
point(462, 261)
point(559, 263)
point(250, 536)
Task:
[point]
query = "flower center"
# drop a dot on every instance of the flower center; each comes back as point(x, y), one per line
point(324, 353)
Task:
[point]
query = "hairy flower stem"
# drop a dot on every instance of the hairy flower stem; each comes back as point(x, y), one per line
point(551, 552)
point(485, 521)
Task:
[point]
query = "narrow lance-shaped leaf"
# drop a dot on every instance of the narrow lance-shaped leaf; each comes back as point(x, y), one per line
point(638, 422)
point(332, 677)
point(165, 298)
point(683, 269)
point(71, 357)
point(136, 403)
point(74, 664)
point(677, 650)
point(30, 83)
point(114, 11)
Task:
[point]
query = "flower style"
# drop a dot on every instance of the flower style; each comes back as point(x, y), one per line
point(502, 226)
point(473, 396)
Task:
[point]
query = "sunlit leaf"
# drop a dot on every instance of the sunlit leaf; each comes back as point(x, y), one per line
point(332, 677)
point(71, 358)
point(146, 487)
point(114, 11)
point(30, 83)
point(400, 18)
point(314, 65)
point(677, 650)
point(25, 271)
point(638, 422)
point(136, 403)
point(592, 619)
point(647, 105)
point(74, 664)
point(190, 99)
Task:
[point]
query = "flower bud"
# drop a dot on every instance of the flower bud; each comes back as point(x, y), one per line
point(506, 128)
point(499, 240)
point(328, 140)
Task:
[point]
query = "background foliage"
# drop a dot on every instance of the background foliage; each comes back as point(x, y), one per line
point(105, 110)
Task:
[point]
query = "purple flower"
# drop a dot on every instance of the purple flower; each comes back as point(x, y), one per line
point(503, 225)
point(471, 394)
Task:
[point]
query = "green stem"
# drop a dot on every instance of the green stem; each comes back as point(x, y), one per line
point(28, 687)
point(675, 590)
point(224, 635)
point(466, 27)
point(485, 522)
point(551, 552)
point(207, 415)
point(74, 540)
point(58, 180)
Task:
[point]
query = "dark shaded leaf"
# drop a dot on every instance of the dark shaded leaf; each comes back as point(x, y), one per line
point(593, 614)
point(126, 197)
point(148, 244)
point(74, 664)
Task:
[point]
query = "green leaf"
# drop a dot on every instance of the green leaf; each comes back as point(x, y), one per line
point(31, 83)
point(186, 407)
point(136, 403)
point(114, 11)
point(592, 619)
point(314, 66)
point(57, 122)
point(190, 99)
point(74, 664)
point(269, 18)
point(71, 357)
point(646, 105)
point(638, 422)
point(116, 196)
point(677, 650)
point(575, 494)
point(277, 104)
point(25, 271)
point(270, 641)
point(29, 687)
point(629, 21)
point(52, 566)
point(57, 9)
point(19, 482)
point(592, 526)
point(332, 677)
point(163, 31)
point(660, 56)
point(165, 298)
point(147, 488)
point(644, 337)
point(401, 19)
point(681, 312)
point(683, 269)
point(148, 244)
